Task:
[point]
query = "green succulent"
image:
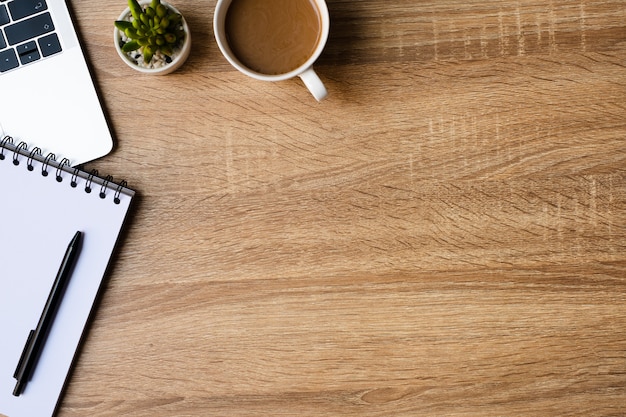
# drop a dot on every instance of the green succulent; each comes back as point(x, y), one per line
point(155, 28)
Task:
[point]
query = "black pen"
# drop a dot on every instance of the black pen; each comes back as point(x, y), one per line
point(36, 338)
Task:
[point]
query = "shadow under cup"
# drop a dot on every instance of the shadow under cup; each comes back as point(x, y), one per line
point(274, 40)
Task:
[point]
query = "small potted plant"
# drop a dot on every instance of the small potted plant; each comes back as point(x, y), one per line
point(152, 37)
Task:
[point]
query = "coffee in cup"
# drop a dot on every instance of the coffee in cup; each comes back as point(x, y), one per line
point(274, 40)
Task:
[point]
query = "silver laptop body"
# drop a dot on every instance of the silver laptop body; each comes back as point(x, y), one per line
point(47, 96)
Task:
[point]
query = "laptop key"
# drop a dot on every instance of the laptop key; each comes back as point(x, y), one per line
point(30, 56)
point(3, 44)
point(49, 45)
point(23, 8)
point(26, 48)
point(8, 60)
point(29, 28)
point(4, 15)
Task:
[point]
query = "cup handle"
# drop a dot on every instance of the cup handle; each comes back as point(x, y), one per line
point(314, 84)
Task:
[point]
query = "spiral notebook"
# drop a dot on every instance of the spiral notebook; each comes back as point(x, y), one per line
point(43, 203)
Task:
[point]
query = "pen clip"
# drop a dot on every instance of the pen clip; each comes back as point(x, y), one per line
point(20, 364)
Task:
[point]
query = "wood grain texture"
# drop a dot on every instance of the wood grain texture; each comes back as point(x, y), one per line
point(444, 235)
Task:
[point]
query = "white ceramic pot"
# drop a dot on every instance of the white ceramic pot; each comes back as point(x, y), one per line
point(177, 61)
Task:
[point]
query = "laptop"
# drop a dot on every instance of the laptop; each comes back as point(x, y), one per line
point(47, 95)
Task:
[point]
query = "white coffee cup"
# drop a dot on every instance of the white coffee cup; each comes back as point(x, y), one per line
point(304, 71)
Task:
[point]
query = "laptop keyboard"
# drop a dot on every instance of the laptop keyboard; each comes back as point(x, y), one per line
point(26, 33)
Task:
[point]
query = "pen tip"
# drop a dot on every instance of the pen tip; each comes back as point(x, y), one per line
point(18, 388)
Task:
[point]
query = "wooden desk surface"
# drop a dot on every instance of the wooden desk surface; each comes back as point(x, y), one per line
point(445, 235)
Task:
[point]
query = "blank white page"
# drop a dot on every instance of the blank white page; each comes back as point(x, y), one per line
point(39, 216)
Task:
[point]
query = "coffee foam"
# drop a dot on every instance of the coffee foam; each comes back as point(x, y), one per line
point(273, 36)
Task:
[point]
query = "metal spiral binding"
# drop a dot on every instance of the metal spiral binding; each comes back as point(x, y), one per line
point(29, 161)
point(44, 168)
point(73, 182)
point(64, 163)
point(92, 174)
point(118, 191)
point(16, 152)
point(49, 164)
point(5, 140)
point(104, 186)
